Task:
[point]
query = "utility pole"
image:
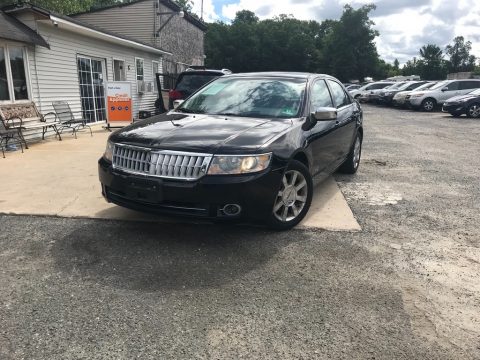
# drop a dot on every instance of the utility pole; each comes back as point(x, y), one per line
point(201, 12)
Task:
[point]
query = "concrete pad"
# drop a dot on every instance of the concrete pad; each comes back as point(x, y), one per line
point(59, 178)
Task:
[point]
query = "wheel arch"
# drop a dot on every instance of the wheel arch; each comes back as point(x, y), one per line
point(301, 157)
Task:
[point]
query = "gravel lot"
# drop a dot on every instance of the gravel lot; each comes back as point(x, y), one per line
point(406, 287)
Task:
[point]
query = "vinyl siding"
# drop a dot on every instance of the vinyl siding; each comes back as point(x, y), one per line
point(139, 21)
point(135, 20)
point(54, 73)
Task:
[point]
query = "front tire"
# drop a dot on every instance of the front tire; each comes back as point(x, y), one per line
point(428, 105)
point(294, 197)
point(473, 111)
point(351, 164)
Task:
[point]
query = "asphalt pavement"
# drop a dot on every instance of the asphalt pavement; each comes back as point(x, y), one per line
point(405, 287)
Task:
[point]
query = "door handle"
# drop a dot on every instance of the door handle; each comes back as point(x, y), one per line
point(337, 122)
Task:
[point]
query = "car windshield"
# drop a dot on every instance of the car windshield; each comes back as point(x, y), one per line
point(425, 86)
point(189, 83)
point(396, 86)
point(441, 84)
point(474, 92)
point(242, 96)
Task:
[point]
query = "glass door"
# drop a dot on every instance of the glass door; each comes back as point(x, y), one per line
point(92, 91)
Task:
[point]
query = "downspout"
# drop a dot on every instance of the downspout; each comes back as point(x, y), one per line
point(36, 77)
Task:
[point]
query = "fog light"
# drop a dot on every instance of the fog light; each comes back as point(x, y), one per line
point(232, 209)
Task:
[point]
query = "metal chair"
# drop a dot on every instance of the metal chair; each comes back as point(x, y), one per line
point(67, 119)
point(7, 135)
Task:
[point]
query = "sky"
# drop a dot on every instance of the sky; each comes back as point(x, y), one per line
point(404, 25)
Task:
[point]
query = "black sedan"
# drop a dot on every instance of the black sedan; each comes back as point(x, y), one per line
point(468, 104)
point(245, 146)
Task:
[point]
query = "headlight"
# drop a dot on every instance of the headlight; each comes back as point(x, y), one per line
point(244, 164)
point(109, 151)
point(417, 95)
point(388, 94)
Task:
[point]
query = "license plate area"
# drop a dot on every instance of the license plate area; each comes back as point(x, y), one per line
point(141, 190)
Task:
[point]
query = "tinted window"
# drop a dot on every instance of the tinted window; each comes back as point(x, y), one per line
point(190, 83)
point(320, 96)
point(452, 86)
point(339, 96)
point(465, 85)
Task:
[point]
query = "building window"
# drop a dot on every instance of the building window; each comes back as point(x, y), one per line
point(4, 93)
point(155, 69)
point(13, 74)
point(139, 69)
point(119, 70)
point(19, 77)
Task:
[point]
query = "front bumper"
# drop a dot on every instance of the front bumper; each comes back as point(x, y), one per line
point(414, 102)
point(385, 99)
point(204, 198)
point(454, 108)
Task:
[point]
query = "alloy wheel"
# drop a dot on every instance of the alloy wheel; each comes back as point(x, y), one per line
point(428, 105)
point(292, 196)
point(357, 152)
point(474, 111)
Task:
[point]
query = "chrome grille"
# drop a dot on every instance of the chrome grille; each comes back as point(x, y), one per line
point(160, 163)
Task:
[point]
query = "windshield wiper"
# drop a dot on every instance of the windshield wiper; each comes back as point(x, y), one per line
point(188, 111)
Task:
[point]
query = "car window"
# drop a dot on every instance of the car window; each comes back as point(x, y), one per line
point(465, 85)
point(320, 96)
point(452, 86)
point(189, 83)
point(339, 96)
point(249, 96)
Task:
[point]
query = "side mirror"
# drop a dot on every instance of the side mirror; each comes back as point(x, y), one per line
point(325, 114)
point(177, 103)
point(322, 114)
point(445, 89)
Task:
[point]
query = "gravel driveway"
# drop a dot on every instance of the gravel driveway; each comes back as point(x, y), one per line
point(406, 287)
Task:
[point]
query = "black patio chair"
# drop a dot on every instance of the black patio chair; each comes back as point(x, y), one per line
point(67, 120)
point(7, 135)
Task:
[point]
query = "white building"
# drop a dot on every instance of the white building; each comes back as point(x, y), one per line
point(47, 57)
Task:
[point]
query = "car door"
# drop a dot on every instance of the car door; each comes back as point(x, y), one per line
point(346, 121)
point(448, 91)
point(321, 137)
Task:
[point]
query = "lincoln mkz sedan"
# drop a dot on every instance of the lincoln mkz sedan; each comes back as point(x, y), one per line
point(245, 146)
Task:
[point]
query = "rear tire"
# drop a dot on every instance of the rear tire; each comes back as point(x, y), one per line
point(473, 111)
point(351, 164)
point(294, 197)
point(428, 105)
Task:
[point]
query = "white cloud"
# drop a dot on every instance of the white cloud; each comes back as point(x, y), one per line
point(404, 25)
point(209, 14)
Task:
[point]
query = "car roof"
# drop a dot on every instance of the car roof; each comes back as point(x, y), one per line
point(283, 74)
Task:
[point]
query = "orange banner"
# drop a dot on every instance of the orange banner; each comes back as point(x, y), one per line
point(119, 102)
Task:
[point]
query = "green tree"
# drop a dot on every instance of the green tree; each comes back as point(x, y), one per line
point(396, 64)
point(350, 50)
point(459, 53)
point(64, 6)
point(186, 5)
point(431, 66)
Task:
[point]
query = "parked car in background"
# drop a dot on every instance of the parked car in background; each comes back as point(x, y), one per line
point(373, 95)
point(190, 81)
point(244, 146)
point(385, 96)
point(353, 87)
point(429, 99)
point(368, 87)
point(468, 104)
point(399, 98)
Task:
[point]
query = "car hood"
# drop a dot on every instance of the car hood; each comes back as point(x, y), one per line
point(201, 133)
point(462, 98)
